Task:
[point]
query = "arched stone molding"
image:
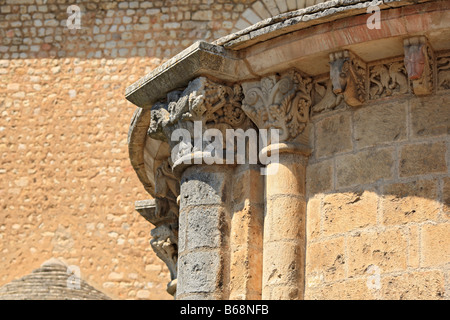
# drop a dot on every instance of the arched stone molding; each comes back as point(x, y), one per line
point(265, 9)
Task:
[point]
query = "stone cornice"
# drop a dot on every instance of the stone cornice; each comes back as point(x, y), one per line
point(307, 47)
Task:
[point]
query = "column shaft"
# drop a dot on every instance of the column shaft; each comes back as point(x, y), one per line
point(284, 229)
point(203, 256)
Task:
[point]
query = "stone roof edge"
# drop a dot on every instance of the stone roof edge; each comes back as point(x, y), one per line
point(305, 17)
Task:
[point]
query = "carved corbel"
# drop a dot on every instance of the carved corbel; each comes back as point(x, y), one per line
point(279, 102)
point(164, 240)
point(348, 74)
point(419, 64)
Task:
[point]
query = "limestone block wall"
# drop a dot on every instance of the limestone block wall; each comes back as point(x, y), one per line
point(67, 188)
point(378, 208)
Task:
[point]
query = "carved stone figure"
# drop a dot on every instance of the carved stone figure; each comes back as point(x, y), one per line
point(387, 79)
point(325, 97)
point(279, 102)
point(443, 74)
point(347, 73)
point(418, 63)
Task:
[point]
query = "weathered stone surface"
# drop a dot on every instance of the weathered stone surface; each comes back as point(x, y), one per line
point(313, 218)
point(378, 124)
point(204, 228)
point(319, 177)
point(350, 289)
point(425, 285)
point(198, 272)
point(202, 188)
point(385, 250)
point(419, 159)
point(364, 167)
point(436, 245)
point(333, 135)
point(344, 212)
point(410, 202)
point(430, 116)
point(325, 261)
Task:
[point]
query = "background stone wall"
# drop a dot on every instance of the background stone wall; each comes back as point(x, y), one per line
point(378, 215)
point(67, 188)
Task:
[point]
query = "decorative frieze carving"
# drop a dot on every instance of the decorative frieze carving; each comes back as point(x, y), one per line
point(443, 72)
point(348, 74)
point(279, 102)
point(324, 97)
point(419, 64)
point(387, 79)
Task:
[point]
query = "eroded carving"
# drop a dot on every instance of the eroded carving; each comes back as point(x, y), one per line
point(165, 234)
point(325, 97)
point(387, 79)
point(418, 63)
point(347, 74)
point(279, 102)
point(443, 73)
point(214, 105)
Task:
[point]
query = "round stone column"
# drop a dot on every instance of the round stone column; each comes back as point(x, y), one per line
point(284, 225)
point(204, 223)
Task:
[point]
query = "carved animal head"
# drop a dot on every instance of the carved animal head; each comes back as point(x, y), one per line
point(415, 60)
point(339, 73)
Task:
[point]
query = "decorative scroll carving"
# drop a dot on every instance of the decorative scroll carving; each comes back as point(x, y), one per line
point(325, 97)
point(418, 62)
point(279, 103)
point(387, 79)
point(347, 74)
point(443, 73)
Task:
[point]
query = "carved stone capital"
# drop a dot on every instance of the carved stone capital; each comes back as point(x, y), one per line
point(419, 64)
point(348, 74)
point(279, 102)
point(210, 104)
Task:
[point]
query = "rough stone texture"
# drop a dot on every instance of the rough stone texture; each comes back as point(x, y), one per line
point(385, 123)
point(204, 226)
point(430, 116)
point(343, 212)
point(436, 245)
point(333, 135)
point(410, 202)
point(429, 285)
point(52, 281)
point(419, 159)
point(377, 225)
point(364, 167)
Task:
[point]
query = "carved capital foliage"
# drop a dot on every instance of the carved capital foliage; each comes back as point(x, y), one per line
point(419, 64)
point(279, 102)
point(348, 74)
point(215, 105)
